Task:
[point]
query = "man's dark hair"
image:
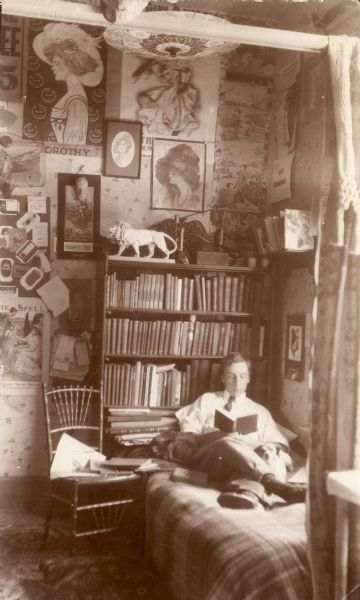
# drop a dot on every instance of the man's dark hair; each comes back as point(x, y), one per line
point(234, 357)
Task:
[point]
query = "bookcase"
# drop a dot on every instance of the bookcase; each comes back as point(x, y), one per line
point(165, 328)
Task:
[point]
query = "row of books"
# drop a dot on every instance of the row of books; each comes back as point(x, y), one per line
point(217, 292)
point(154, 386)
point(182, 338)
point(290, 230)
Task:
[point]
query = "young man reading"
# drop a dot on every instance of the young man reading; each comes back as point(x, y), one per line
point(231, 457)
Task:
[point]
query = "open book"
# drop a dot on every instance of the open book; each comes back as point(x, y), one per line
point(225, 422)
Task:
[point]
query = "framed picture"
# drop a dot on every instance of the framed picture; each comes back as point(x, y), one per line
point(178, 175)
point(295, 347)
point(123, 149)
point(78, 215)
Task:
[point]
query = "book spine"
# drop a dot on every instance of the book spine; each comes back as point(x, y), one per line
point(198, 297)
point(208, 293)
point(190, 305)
point(196, 339)
point(203, 293)
point(215, 293)
point(184, 294)
point(234, 293)
point(190, 338)
point(221, 289)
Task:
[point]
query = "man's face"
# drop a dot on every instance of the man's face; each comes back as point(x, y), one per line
point(236, 378)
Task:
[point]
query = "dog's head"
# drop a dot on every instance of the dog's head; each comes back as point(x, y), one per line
point(268, 452)
point(162, 445)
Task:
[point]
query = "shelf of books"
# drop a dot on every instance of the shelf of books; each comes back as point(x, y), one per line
point(166, 328)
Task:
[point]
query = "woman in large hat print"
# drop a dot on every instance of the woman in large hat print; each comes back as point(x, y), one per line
point(75, 60)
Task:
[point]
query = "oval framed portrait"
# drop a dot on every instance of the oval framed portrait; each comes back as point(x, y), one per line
point(123, 149)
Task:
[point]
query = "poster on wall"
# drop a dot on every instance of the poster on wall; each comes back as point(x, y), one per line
point(11, 53)
point(240, 156)
point(178, 175)
point(177, 99)
point(23, 163)
point(244, 122)
point(24, 339)
point(64, 103)
point(24, 245)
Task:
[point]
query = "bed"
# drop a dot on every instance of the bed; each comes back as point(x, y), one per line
point(205, 552)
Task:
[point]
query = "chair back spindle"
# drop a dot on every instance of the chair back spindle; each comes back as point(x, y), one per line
point(72, 410)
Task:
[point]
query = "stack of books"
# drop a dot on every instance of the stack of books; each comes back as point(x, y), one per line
point(290, 230)
point(131, 427)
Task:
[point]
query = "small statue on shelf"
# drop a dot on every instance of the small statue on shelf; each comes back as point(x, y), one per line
point(126, 236)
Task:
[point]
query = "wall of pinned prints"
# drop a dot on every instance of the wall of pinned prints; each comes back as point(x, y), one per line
point(178, 175)
point(24, 244)
point(295, 347)
point(78, 215)
point(123, 149)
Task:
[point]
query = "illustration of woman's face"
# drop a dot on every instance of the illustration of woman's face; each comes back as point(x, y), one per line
point(175, 176)
point(59, 69)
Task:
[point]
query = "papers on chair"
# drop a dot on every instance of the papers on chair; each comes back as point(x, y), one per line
point(72, 458)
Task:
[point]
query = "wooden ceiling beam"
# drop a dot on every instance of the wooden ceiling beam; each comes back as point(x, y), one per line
point(86, 14)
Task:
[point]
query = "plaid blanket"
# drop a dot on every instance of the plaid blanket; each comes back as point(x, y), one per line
point(206, 552)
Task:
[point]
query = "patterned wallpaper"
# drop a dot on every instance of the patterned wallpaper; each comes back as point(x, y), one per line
point(298, 299)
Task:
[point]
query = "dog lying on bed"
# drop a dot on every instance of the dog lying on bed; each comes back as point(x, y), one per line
point(180, 447)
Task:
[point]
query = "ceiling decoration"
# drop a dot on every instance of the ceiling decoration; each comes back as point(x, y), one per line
point(168, 45)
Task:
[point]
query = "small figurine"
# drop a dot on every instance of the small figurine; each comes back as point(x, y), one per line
point(127, 236)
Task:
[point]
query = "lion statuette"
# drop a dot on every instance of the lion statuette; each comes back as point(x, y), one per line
point(127, 236)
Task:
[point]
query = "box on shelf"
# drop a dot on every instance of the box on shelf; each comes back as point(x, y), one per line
point(212, 258)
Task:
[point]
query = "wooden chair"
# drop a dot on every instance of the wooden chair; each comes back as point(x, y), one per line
point(95, 504)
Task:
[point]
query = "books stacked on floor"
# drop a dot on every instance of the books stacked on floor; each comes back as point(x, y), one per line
point(290, 230)
point(191, 337)
point(218, 292)
point(158, 386)
point(136, 427)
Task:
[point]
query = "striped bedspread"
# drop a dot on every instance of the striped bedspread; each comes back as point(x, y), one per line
point(206, 552)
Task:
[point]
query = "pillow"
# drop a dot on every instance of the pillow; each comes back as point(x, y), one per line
point(290, 435)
